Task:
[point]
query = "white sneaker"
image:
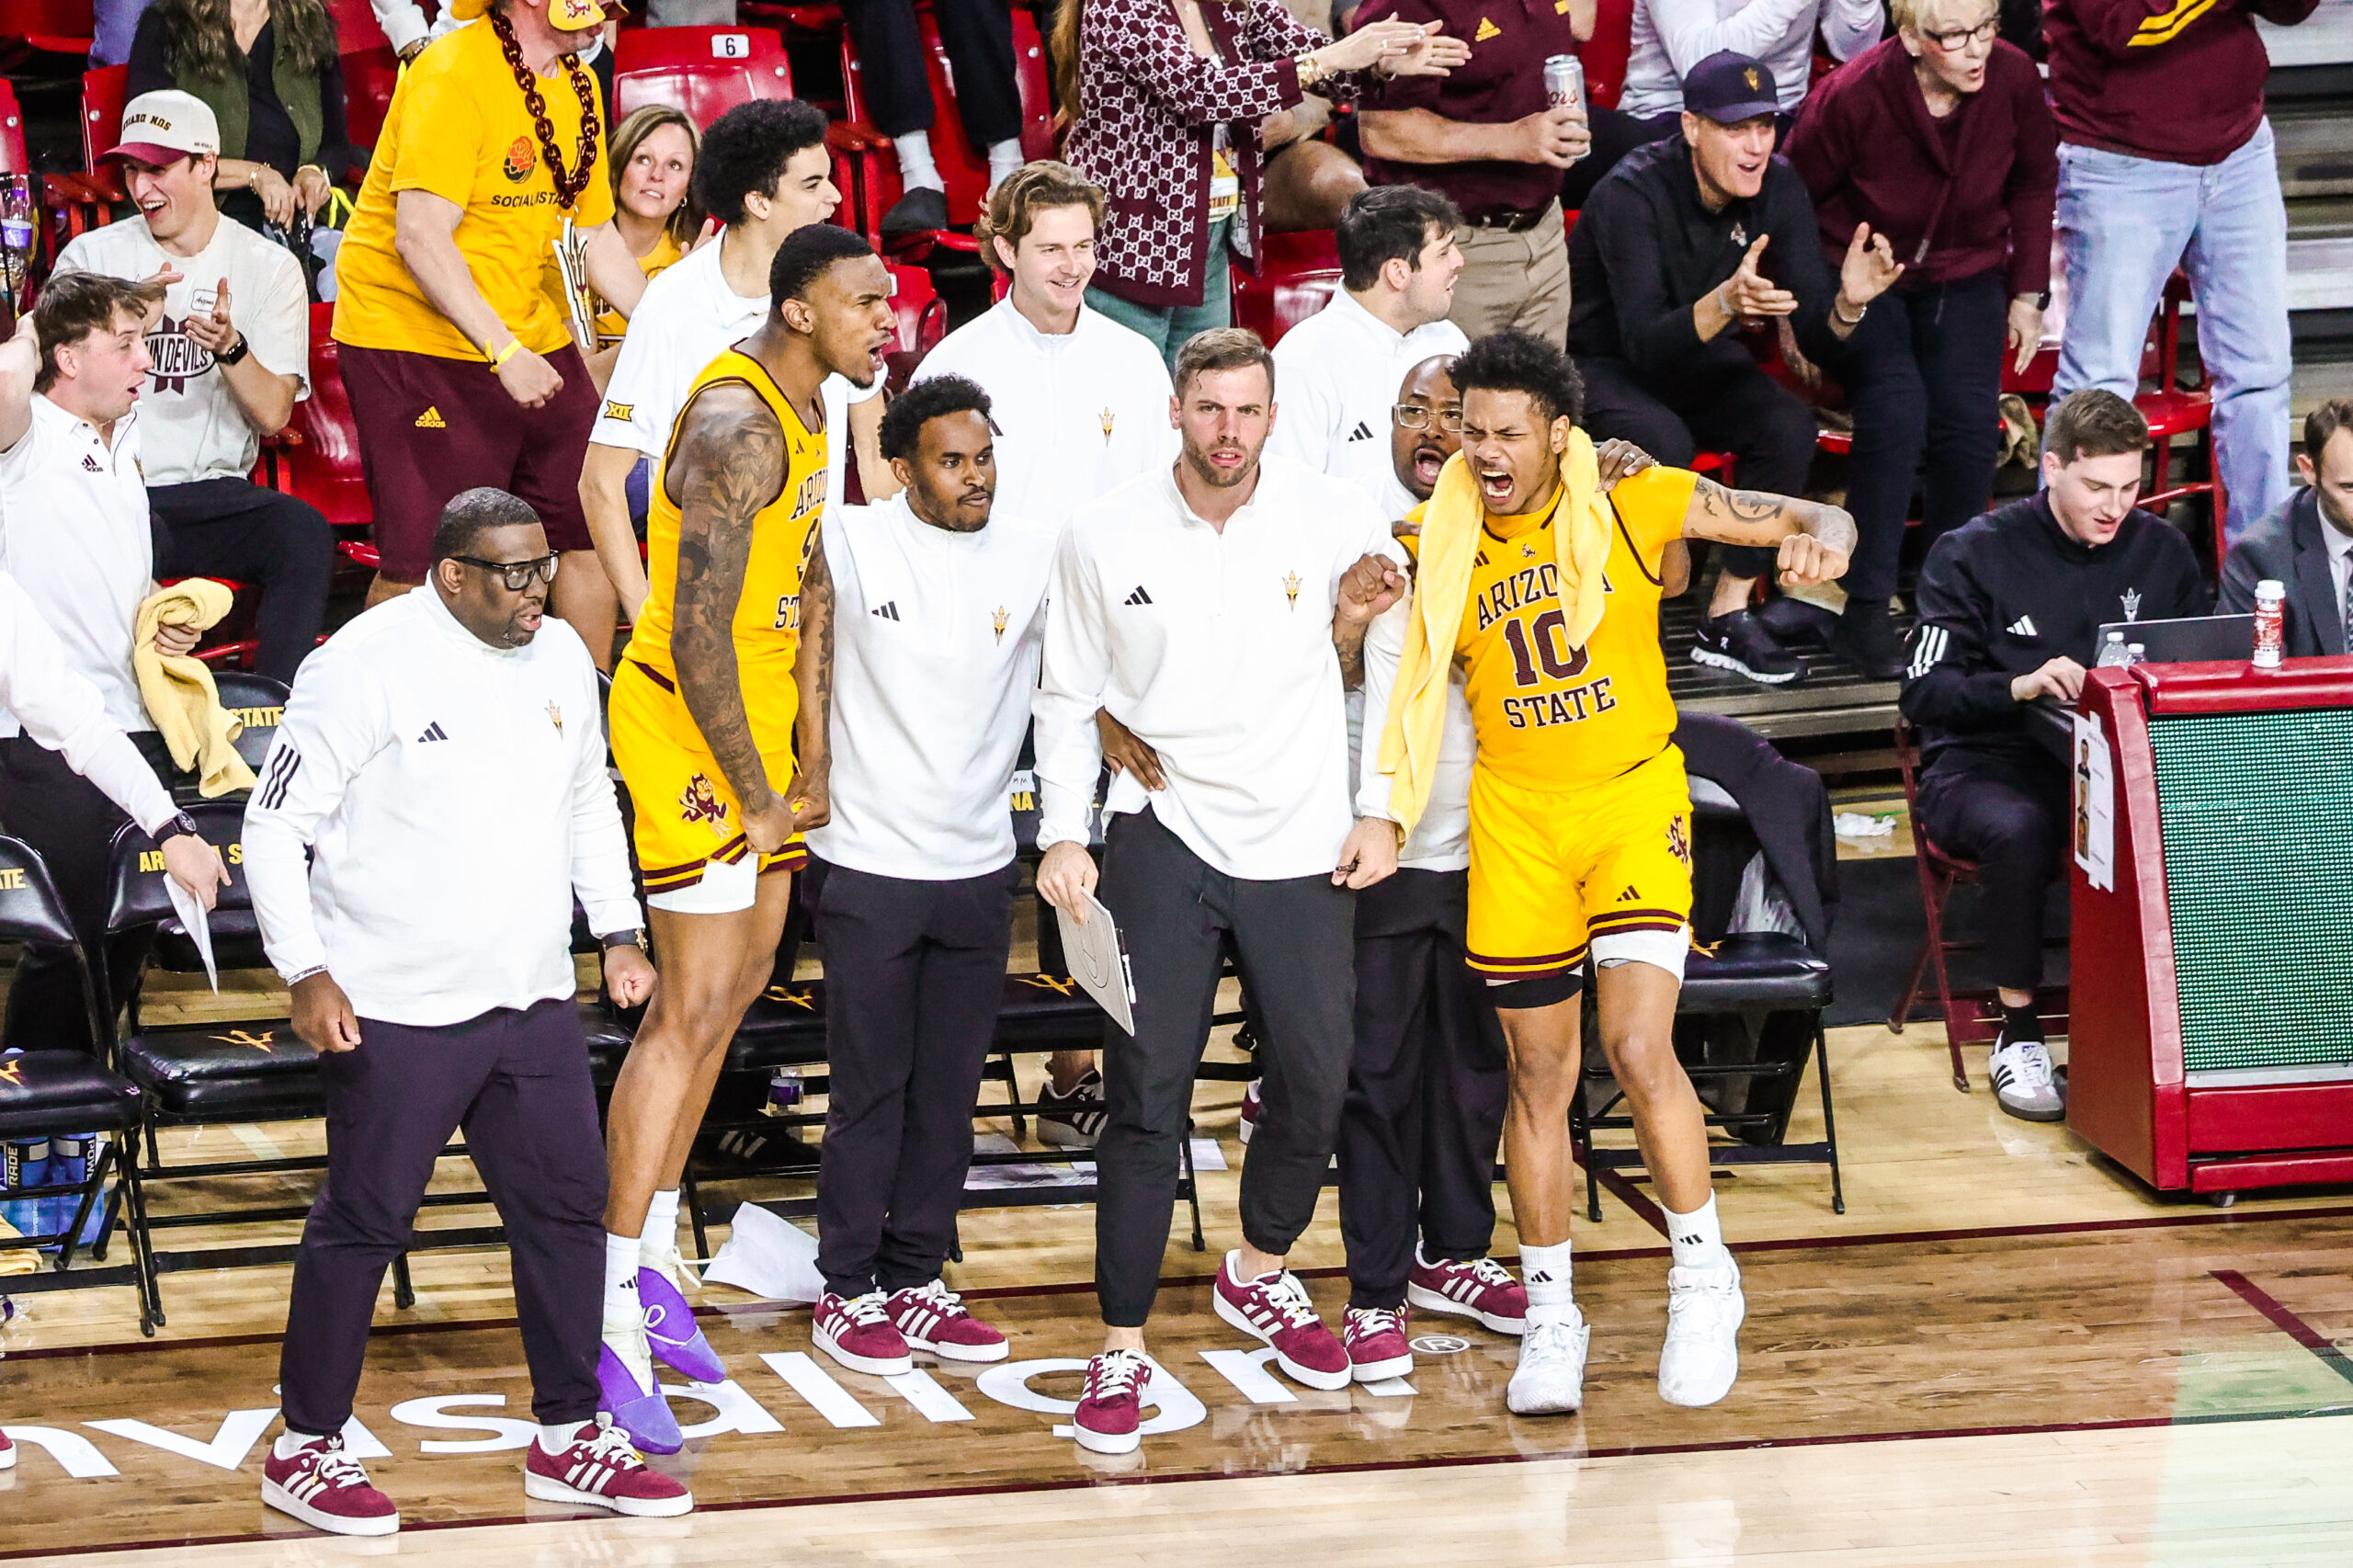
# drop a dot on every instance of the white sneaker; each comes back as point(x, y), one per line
point(1702, 1358)
point(2023, 1083)
point(1549, 1378)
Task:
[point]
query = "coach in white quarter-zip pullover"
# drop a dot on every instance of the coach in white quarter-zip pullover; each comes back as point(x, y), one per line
point(939, 602)
point(1340, 368)
point(441, 768)
point(1216, 611)
point(1081, 402)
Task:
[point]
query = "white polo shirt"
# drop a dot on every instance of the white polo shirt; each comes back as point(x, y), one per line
point(1215, 648)
point(937, 638)
point(1337, 376)
point(192, 427)
point(1077, 412)
point(689, 317)
point(73, 535)
point(429, 812)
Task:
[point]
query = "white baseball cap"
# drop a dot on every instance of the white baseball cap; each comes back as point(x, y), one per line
point(163, 127)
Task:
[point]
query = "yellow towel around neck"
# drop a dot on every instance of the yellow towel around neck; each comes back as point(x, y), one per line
point(1450, 528)
point(179, 691)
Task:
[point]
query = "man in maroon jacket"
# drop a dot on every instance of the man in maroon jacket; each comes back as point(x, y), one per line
point(2166, 159)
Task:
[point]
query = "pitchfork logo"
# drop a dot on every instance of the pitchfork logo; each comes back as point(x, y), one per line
point(179, 358)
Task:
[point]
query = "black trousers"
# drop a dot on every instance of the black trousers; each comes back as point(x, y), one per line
point(1427, 1089)
point(978, 36)
point(1727, 405)
point(233, 528)
point(2010, 814)
point(517, 1083)
point(1924, 374)
point(1295, 943)
point(72, 826)
point(914, 972)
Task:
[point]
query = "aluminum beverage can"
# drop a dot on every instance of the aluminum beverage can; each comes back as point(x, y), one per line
point(2270, 623)
point(1563, 81)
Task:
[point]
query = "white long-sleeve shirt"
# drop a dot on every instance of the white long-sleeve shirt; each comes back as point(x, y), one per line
point(454, 798)
point(937, 638)
point(1673, 36)
point(64, 713)
point(1077, 414)
point(1337, 376)
point(1215, 648)
point(1441, 840)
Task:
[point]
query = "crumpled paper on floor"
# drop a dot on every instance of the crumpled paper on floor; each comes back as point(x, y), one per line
point(771, 1257)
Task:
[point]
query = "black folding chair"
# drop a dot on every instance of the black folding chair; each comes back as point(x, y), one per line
point(54, 1091)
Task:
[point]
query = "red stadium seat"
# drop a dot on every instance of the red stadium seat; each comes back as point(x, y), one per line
point(357, 29)
point(104, 92)
point(923, 321)
point(13, 158)
point(1296, 279)
point(703, 71)
point(368, 77)
point(316, 456)
point(1605, 54)
point(62, 26)
point(963, 168)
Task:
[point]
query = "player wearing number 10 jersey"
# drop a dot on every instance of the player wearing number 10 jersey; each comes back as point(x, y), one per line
point(1545, 588)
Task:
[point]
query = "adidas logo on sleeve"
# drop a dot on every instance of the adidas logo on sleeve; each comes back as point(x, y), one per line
point(888, 610)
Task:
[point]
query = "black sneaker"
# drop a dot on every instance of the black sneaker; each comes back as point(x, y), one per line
point(1866, 639)
point(920, 210)
point(1797, 623)
point(1073, 1120)
point(1740, 643)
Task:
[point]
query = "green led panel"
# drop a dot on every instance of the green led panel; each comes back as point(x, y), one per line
point(2255, 812)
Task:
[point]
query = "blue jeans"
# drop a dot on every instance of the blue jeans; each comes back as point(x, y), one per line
point(2124, 222)
point(1169, 328)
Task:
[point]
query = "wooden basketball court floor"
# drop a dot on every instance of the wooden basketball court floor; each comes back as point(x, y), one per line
point(2005, 1352)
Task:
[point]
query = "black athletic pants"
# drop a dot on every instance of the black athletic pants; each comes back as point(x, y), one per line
point(72, 826)
point(233, 528)
point(1726, 405)
point(2010, 814)
point(978, 36)
point(517, 1083)
point(1427, 1089)
point(1294, 940)
point(1924, 375)
point(914, 972)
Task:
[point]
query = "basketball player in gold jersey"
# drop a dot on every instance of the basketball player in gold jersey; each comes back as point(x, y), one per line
point(1545, 590)
point(717, 712)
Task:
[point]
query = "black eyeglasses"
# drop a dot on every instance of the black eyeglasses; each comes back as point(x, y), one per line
point(1412, 416)
point(1961, 37)
point(516, 574)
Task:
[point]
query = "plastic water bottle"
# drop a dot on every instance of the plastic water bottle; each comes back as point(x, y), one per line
point(70, 1159)
point(2114, 652)
point(785, 1089)
point(2136, 654)
point(28, 1165)
point(15, 228)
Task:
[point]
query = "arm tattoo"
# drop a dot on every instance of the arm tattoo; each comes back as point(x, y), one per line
point(813, 667)
point(1347, 640)
point(731, 455)
point(1741, 516)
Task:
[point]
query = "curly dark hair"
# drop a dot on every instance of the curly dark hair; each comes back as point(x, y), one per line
point(745, 150)
point(199, 38)
point(921, 403)
point(1514, 361)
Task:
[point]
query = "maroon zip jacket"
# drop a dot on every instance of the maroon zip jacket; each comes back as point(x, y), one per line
point(2179, 81)
point(1956, 196)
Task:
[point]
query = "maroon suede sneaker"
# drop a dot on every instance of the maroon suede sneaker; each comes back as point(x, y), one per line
point(1276, 1308)
point(1480, 1290)
point(600, 1470)
point(1375, 1340)
point(328, 1490)
point(859, 1334)
point(932, 1317)
point(1110, 1412)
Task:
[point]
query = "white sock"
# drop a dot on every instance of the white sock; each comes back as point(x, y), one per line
point(660, 1237)
point(1004, 158)
point(291, 1442)
point(1697, 1239)
point(620, 1281)
point(1545, 1271)
point(555, 1440)
point(916, 167)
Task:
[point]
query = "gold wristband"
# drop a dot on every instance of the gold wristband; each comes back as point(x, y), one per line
point(514, 346)
point(1310, 71)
